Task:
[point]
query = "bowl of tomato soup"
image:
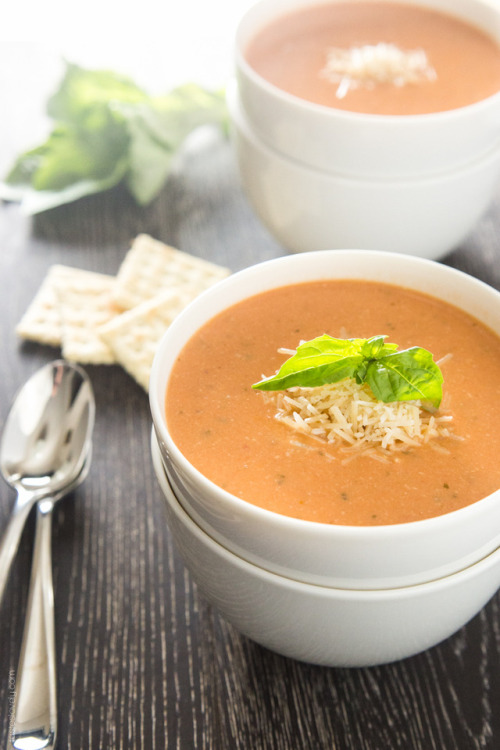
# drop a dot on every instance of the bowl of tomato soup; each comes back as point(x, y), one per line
point(368, 123)
point(372, 88)
point(325, 625)
point(396, 497)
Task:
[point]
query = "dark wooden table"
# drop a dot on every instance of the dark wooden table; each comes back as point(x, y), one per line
point(144, 662)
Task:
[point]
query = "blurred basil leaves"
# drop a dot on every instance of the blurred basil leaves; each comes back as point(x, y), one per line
point(107, 130)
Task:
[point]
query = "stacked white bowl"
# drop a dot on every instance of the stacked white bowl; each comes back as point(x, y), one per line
point(324, 593)
point(322, 178)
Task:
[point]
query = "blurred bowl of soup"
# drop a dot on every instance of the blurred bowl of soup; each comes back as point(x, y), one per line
point(393, 121)
point(324, 625)
point(308, 209)
point(362, 123)
point(291, 504)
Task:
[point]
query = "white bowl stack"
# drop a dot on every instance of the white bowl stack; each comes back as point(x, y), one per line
point(329, 594)
point(321, 178)
point(319, 624)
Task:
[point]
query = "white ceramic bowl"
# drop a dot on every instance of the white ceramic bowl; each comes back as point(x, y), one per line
point(306, 208)
point(341, 556)
point(322, 625)
point(359, 145)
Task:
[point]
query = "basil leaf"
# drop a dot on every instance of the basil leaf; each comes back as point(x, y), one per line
point(82, 92)
point(149, 162)
point(108, 130)
point(406, 375)
point(157, 130)
point(312, 375)
point(67, 157)
point(392, 375)
point(317, 362)
point(376, 347)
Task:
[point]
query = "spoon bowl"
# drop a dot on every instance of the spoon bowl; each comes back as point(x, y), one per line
point(39, 447)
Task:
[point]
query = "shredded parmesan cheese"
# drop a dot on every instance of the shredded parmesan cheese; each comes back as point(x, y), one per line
point(374, 64)
point(349, 415)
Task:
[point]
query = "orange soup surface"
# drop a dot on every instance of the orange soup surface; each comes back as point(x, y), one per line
point(292, 53)
point(228, 431)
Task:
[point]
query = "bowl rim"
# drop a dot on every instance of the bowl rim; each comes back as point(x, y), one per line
point(348, 116)
point(159, 382)
point(415, 589)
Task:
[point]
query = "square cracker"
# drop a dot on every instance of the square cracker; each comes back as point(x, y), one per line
point(151, 267)
point(86, 302)
point(42, 320)
point(134, 335)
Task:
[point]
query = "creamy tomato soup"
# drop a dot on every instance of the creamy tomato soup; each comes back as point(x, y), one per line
point(227, 429)
point(463, 62)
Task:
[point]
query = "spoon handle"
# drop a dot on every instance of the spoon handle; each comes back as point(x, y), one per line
point(12, 535)
point(35, 718)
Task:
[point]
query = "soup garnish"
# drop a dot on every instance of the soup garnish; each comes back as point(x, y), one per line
point(363, 393)
point(375, 64)
point(392, 375)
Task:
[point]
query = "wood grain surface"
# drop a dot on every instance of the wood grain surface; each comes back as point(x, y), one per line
point(144, 663)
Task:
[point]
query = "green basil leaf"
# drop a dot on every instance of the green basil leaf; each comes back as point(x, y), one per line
point(376, 347)
point(173, 116)
point(317, 362)
point(108, 130)
point(392, 375)
point(81, 91)
point(22, 171)
point(157, 131)
point(313, 375)
point(406, 375)
point(68, 158)
point(149, 162)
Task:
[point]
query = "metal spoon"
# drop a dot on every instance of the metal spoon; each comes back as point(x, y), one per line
point(35, 717)
point(35, 710)
point(41, 452)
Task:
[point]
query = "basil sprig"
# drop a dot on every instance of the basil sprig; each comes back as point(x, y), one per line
point(107, 130)
point(392, 375)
